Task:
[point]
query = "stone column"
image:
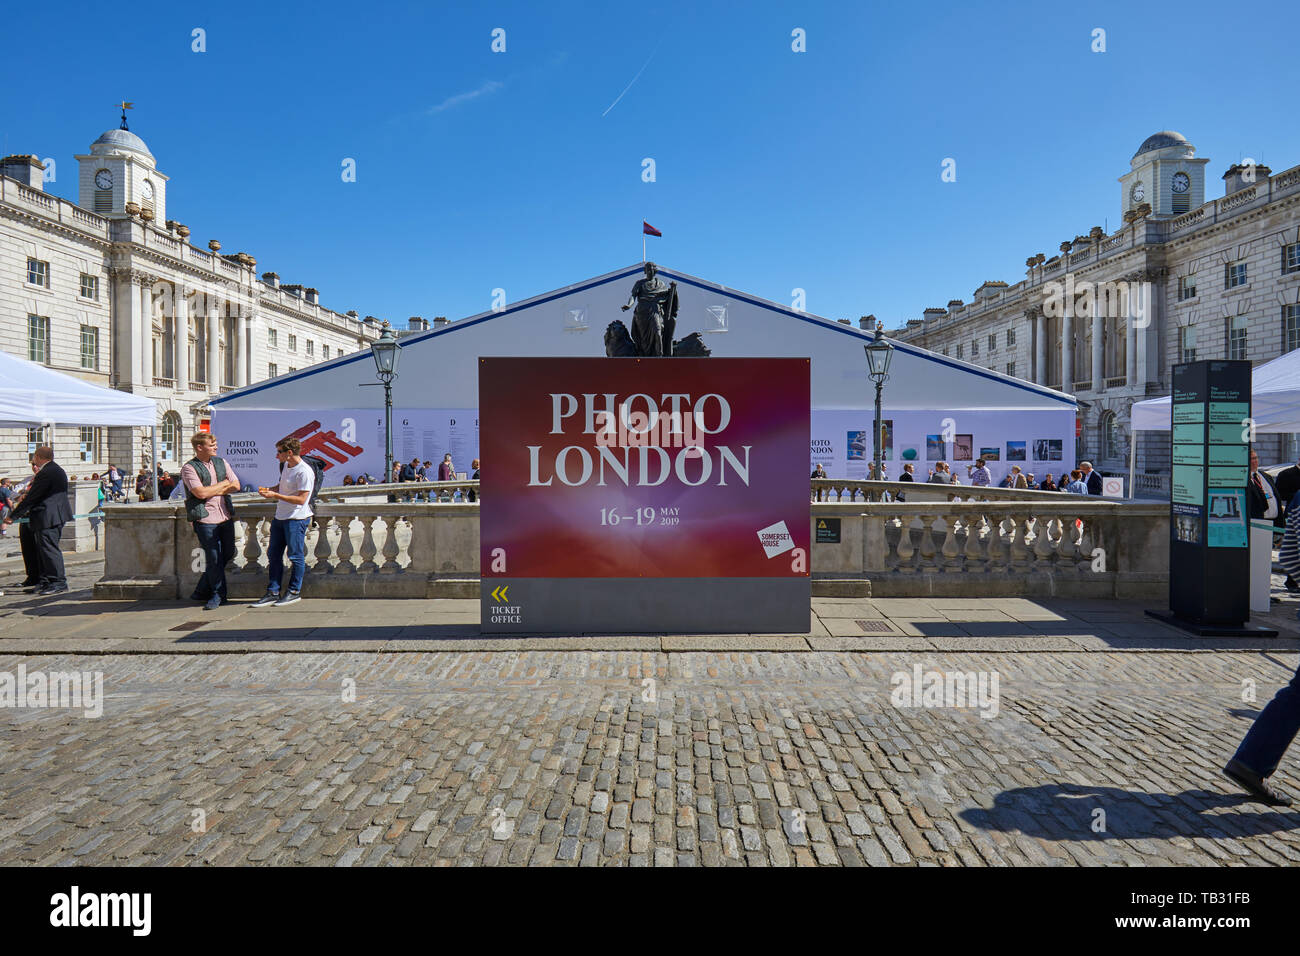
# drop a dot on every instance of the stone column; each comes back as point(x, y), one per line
point(214, 347)
point(1038, 328)
point(242, 323)
point(125, 339)
point(145, 293)
point(1130, 339)
point(1067, 348)
point(181, 339)
point(1098, 369)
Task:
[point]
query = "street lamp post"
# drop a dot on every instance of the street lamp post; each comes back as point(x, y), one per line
point(386, 351)
point(879, 352)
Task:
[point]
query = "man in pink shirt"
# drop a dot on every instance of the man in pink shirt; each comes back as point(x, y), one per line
point(208, 483)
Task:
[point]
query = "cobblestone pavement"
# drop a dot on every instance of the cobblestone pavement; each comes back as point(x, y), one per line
point(640, 758)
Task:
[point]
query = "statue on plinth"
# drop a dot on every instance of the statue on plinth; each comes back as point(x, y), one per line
point(653, 323)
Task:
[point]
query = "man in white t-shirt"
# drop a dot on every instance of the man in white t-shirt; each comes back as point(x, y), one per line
point(289, 526)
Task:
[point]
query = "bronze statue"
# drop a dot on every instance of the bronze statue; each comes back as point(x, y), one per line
point(655, 317)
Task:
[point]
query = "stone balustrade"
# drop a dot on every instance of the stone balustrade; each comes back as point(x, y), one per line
point(949, 540)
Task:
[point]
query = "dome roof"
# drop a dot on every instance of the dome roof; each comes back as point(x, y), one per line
point(116, 139)
point(1161, 140)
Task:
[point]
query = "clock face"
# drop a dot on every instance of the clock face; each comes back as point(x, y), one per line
point(1181, 182)
point(148, 189)
point(104, 179)
point(1139, 192)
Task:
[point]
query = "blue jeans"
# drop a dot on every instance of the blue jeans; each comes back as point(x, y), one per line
point(1273, 730)
point(218, 544)
point(293, 534)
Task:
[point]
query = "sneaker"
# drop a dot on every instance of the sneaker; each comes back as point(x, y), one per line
point(214, 602)
point(290, 597)
point(267, 599)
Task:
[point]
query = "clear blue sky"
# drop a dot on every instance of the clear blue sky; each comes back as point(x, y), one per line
point(774, 169)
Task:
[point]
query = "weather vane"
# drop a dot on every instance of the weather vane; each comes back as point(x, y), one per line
point(124, 106)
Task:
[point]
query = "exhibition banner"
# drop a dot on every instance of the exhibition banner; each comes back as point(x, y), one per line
point(630, 492)
point(1040, 441)
point(350, 441)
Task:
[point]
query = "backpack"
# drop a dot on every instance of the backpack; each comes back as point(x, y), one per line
point(317, 466)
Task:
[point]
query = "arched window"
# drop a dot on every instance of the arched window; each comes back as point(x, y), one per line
point(170, 437)
point(1112, 448)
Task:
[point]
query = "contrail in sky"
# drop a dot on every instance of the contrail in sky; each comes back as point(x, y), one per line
point(635, 78)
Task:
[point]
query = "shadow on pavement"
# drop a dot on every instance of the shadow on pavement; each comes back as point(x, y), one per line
point(1068, 812)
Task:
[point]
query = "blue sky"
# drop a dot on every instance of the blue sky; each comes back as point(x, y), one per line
point(774, 170)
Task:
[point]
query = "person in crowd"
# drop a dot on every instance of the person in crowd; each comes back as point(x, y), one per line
point(939, 474)
point(208, 482)
point(347, 480)
point(1288, 484)
point(396, 476)
point(115, 482)
point(909, 472)
point(1008, 482)
point(411, 471)
point(1091, 477)
point(26, 540)
point(361, 479)
point(446, 470)
point(289, 526)
point(166, 485)
point(819, 471)
point(1077, 485)
point(46, 507)
point(1030, 483)
point(424, 469)
point(143, 487)
point(1017, 479)
point(6, 501)
point(473, 492)
point(979, 474)
point(1048, 484)
point(952, 478)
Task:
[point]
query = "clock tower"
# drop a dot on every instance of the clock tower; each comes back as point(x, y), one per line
point(1165, 173)
point(119, 169)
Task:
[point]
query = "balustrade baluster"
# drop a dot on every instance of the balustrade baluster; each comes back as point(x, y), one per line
point(1043, 549)
point(905, 549)
point(1065, 546)
point(253, 550)
point(323, 547)
point(927, 548)
point(1019, 557)
point(391, 550)
point(951, 554)
point(345, 565)
point(975, 549)
point(998, 545)
point(368, 549)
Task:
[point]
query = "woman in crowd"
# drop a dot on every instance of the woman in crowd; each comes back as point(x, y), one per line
point(1076, 485)
point(347, 480)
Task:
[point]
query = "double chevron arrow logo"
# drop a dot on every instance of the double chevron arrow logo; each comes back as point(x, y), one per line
point(499, 593)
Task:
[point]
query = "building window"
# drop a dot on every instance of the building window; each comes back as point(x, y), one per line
point(1011, 369)
point(993, 341)
point(38, 273)
point(38, 339)
point(39, 436)
point(1290, 328)
point(90, 347)
point(974, 348)
point(1111, 446)
point(89, 287)
point(311, 348)
point(1011, 337)
point(170, 436)
point(324, 351)
point(272, 371)
point(1237, 337)
point(1291, 258)
point(270, 338)
point(959, 351)
point(293, 342)
point(292, 370)
point(1186, 288)
point(1234, 274)
point(945, 351)
point(1187, 343)
point(91, 441)
point(1181, 202)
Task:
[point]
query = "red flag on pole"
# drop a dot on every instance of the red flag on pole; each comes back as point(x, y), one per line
point(649, 230)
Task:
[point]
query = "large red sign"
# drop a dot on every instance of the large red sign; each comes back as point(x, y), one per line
point(651, 468)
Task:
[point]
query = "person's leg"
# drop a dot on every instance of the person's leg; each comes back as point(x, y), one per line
point(31, 561)
point(52, 574)
point(203, 587)
point(1274, 729)
point(225, 547)
point(296, 535)
point(275, 557)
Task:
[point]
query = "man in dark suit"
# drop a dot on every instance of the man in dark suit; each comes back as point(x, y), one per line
point(1288, 483)
point(47, 510)
point(1091, 477)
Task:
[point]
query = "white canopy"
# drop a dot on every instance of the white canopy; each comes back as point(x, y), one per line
point(32, 394)
point(1274, 399)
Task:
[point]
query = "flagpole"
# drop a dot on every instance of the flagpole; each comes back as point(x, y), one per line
point(642, 242)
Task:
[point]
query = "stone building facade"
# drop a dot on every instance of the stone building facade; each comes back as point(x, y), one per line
point(110, 290)
point(1182, 279)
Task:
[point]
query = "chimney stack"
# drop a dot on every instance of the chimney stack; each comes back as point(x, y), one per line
point(440, 320)
point(418, 324)
point(271, 278)
point(26, 169)
point(312, 294)
point(1238, 177)
point(867, 323)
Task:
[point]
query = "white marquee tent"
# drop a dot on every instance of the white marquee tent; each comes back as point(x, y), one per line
point(32, 395)
point(1274, 402)
point(435, 396)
